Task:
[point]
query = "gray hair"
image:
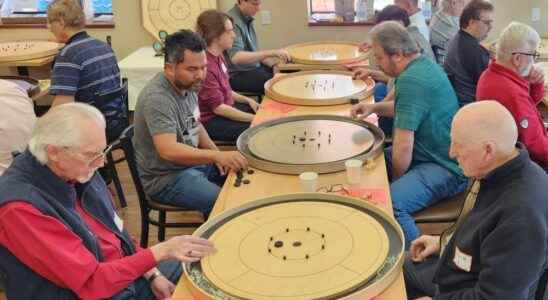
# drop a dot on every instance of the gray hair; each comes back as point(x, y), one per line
point(516, 37)
point(393, 38)
point(62, 126)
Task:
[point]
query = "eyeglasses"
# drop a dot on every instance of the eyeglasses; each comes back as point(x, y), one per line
point(91, 158)
point(535, 55)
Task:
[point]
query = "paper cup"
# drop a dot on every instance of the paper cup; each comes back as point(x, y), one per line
point(309, 182)
point(353, 171)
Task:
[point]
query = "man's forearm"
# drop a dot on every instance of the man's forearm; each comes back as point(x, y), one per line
point(248, 57)
point(385, 108)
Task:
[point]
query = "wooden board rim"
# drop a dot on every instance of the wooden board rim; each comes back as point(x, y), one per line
point(269, 91)
point(363, 55)
point(42, 54)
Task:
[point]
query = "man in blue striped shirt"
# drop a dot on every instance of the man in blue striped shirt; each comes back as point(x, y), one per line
point(86, 68)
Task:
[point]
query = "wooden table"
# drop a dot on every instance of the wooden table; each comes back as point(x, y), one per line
point(292, 67)
point(23, 65)
point(265, 184)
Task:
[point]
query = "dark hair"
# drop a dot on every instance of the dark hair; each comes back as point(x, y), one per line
point(177, 42)
point(473, 10)
point(211, 24)
point(392, 13)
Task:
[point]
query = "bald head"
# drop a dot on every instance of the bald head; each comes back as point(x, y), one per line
point(487, 121)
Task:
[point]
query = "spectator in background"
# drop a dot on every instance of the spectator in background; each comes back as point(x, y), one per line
point(466, 58)
point(17, 119)
point(444, 25)
point(223, 119)
point(415, 16)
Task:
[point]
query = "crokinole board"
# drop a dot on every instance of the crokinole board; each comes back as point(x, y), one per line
point(299, 246)
point(172, 15)
point(318, 88)
point(26, 50)
point(318, 143)
point(326, 53)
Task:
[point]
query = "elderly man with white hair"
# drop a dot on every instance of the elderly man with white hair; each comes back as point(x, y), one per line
point(60, 237)
point(443, 27)
point(498, 248)
point(515, 81)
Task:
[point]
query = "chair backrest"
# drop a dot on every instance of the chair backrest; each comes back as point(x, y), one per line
point(541, 287)
point(129, 152)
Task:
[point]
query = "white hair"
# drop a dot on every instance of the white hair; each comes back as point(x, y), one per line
point(63, 126)
point(516, 37)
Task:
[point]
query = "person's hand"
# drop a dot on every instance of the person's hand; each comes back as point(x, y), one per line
point(282, 55)
point(424, 298)
point(363, 73)
point(222, 170)
point(253, 104)
point(232, 160)
point(162, 288)
point(536, 76)
point(364, 47)
point(185, 248)
point(424, 246)
point(362, 110)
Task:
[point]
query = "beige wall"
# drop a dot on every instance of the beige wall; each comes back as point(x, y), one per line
point(289, 24)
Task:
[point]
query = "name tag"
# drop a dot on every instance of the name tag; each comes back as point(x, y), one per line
point(223, 67)
point(119, 222)
point(462, 260)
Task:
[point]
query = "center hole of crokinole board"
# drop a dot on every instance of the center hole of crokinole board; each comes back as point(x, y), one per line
point(278, 244)
point(297, 244)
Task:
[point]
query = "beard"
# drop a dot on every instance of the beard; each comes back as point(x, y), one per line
point(193, 86)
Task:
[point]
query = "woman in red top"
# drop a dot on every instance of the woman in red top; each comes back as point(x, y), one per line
point(223, 119)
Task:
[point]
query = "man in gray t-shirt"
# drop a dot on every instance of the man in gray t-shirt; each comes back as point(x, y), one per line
point(179, 164)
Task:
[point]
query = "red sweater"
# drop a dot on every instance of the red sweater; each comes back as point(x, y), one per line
point(46, 246)
point(521, 99)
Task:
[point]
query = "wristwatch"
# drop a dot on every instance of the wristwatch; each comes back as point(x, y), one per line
point(154, 276)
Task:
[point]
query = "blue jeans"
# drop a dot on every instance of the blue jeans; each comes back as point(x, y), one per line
point(195, 188)
point(421, 186)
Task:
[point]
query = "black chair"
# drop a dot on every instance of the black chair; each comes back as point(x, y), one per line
point(146, 204)
point(110, 164)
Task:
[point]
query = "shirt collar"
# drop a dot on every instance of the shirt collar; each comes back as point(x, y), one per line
point(78, 36)
point(507, 169)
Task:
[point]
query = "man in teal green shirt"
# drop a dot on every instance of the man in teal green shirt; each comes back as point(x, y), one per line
point(249, 68)
point(418, 163)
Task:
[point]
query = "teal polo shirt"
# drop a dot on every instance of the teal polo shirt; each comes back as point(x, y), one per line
point(426, 103)
point(246, 40)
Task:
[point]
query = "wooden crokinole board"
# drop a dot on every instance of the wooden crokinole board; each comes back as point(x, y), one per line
point(326, 52)
point(26, 50)
point(172, 15)
point(317, 88)
point(319, 143)
point(299, 246)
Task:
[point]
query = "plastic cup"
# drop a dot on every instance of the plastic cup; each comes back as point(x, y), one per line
point(353, 171)
point(309, 182)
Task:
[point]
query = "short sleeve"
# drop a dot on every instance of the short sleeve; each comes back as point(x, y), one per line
point(160, 116)
point(65, 75)
point(411, 107)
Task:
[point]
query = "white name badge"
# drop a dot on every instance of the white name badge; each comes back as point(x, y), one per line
point(223, 67)
point(462, 260)
point(119, 222)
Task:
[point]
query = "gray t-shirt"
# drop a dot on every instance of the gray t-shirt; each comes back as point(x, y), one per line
point(161, 109)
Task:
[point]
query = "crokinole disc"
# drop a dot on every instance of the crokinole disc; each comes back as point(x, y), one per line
point(326, 53)
point(318, 143)
point(318, 88)
point(300, 246)
point(26, 50)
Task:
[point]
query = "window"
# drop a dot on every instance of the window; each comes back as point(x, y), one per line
point(99, 6)
point(328, 6)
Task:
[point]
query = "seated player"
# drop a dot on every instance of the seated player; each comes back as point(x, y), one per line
point(419, 166)
point(515, 81)
point(444, 25)
point(223, 119)
point(60, 236)
point(249, 67)
point(499, 248)
point(178, 162)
